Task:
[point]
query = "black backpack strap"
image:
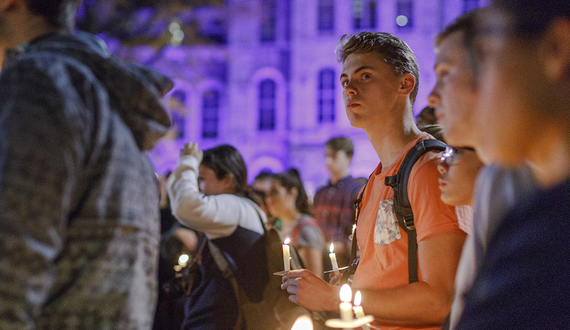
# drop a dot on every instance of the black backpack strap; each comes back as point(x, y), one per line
point(402, 206)
point(354, 249)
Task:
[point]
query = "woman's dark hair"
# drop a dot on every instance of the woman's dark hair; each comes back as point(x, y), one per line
point(225, 159)
point(292, 179)
point(58, 13)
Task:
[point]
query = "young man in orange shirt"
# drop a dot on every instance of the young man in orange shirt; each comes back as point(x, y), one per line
point(380, 82)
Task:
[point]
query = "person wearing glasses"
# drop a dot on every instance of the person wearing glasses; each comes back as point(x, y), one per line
point(459, 168)
point(496, 188)
point(522, 49)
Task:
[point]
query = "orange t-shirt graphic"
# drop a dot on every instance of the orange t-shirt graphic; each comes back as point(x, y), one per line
point(382, 243)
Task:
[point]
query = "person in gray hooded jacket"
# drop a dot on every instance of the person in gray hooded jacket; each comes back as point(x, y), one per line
point(79, 227)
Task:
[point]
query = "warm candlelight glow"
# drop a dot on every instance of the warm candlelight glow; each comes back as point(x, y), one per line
point(183, 259)
point(334, 263)
point(303, 323)
point(286, 255)
point(358, 311)
point(345, 293)
point(345, 304)
point(357, 298)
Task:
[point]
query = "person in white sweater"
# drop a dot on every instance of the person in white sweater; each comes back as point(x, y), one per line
point(208, 194)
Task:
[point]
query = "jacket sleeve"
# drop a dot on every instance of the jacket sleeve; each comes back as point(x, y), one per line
point(38, 166)
point(216, 215)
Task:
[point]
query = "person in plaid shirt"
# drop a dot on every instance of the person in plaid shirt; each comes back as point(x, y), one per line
point(333, 204)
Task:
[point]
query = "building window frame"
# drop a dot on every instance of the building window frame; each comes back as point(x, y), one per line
point(405, 14)
point(364, 14)
point(326, 96)
point(210, 113)
point(268, 20)
point(326, 12)
point(267, 107)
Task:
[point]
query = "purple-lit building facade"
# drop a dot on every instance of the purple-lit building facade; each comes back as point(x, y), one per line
point(270, 85)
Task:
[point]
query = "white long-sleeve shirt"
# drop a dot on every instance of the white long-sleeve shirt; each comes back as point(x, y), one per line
point(216, 215)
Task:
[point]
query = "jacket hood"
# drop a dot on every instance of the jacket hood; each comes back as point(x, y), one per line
point(135, 91)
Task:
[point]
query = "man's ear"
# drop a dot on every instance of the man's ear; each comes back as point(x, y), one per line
point(557, 50)
point(407, 84)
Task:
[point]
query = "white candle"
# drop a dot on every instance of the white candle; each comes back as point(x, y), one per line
point(345, 304)
point(334, 263)
point(286, 255)
point(183, 260)
point(358, 311)
point(303, 323)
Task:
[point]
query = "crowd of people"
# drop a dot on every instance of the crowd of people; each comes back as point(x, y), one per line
point(86, 225)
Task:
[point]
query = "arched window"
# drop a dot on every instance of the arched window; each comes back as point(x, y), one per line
point(326, 95)
point(364, 14)
point(178, 112)
point(210, 114)
point(326, 16)
point(469, 5)
point(268, 20)
point(267, 105)
point(405, 14)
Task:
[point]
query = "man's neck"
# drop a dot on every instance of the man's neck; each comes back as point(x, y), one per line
point(550, 165)
point(337, 177)
point(26, 28)
point(390, 142)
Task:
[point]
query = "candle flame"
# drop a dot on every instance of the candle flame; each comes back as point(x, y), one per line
point(286, 241)
point(345, 293)
point(332, 248)
point(357, 298)
point(303, 323)
point(183, 259)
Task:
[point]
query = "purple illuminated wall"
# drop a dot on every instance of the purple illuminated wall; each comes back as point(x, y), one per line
point(253, 73)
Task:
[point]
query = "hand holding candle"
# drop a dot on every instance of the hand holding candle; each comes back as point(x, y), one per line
point(346, 320)
point(286, 255)
point(358, 311)
point(334, 263)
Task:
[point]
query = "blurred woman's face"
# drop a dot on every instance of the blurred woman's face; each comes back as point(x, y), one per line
point(279, 200)
point(209, 184)
point(458, 168)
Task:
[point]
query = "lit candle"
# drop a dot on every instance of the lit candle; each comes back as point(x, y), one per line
point(183, 260)
point(286, 255)
point(334, 263)
point(358, 311)
point(303, 323)
point(345, 304)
